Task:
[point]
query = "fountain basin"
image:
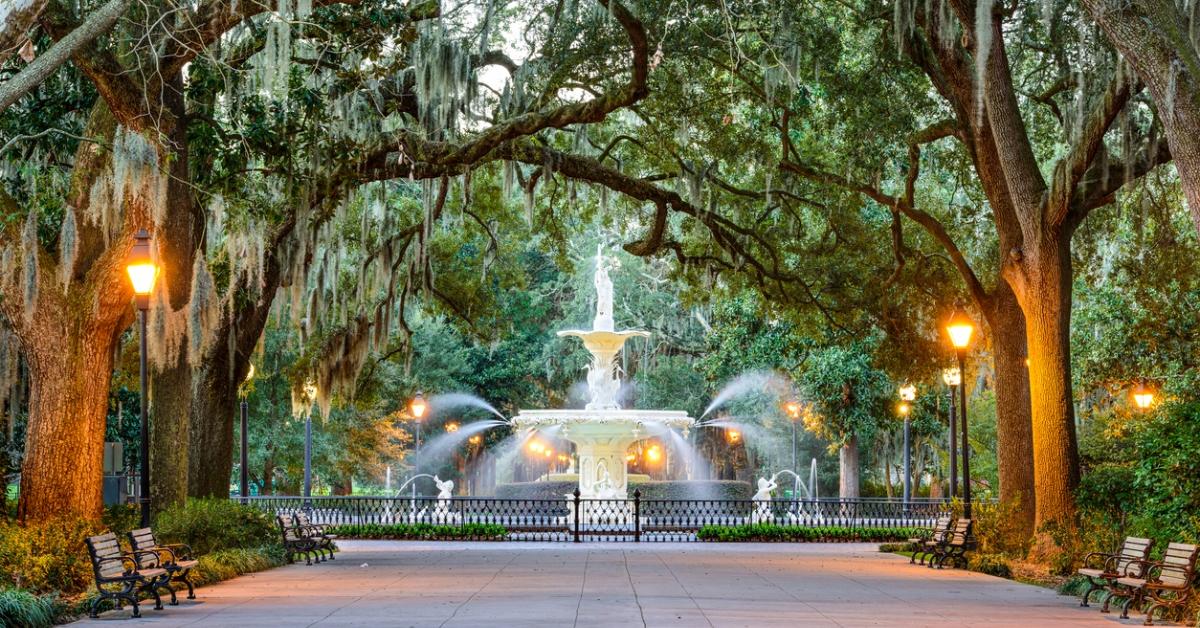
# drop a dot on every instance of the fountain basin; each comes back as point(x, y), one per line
point(601, 438)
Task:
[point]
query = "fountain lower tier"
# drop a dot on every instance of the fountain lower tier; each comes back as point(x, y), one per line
point(601, 439)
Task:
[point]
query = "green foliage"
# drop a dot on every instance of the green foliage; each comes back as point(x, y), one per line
point(422, 531)
point(696, 489)
point(990, 564)
point(21, 609)
point(49, 556)
point(121, 518)
point(536, 490)
point(797, 534)
point(849, 394)
point(209, 525)
point(1167, 474)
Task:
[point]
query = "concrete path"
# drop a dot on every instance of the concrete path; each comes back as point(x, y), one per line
point(390, 583)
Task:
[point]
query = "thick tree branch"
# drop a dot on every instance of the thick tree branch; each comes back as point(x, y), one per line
point(44, 65)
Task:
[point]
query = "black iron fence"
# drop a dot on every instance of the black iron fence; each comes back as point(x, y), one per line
point(633, 519)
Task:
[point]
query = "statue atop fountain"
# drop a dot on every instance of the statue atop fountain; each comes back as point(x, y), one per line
point(762, 501)
point(602, 432)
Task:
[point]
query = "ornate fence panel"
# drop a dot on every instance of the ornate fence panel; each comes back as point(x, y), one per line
point(633, 519)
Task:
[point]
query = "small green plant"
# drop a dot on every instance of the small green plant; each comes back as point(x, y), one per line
point(893, 548)
point(799, 534)
point(418, 531)
point(22, 609)
point(209, 525)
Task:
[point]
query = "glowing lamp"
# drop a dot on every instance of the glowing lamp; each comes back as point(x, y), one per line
point(476, 439)
point(452, 427)
point(536, 447)
point(903, 408)
point(1143, 397)
point(549, 452)
point(960, 328)
point(793, 409)
point(654, 454)
point(141, 269)
point(418, 406)
point(952, 376)
point(733, 435)
point(908, 392)
point(310, 390)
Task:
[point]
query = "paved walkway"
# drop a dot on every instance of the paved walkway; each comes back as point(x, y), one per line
point(389, 583)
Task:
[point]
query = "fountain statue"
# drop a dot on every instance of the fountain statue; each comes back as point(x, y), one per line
point(602, 431)
point(762, 501)
point(442, 512)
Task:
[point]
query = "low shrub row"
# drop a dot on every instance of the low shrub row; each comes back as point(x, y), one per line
point(419, 531)
point(800, 534)
point(651, 490)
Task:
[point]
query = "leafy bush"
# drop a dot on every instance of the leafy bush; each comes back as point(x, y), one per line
point(990, 564)
point(473, 531)
point(894, 548)
point(798, 534)
point(22, 609)
point(49, 556)
point(693, 489)
point(535, 490)
point(209, 525)
point(652, 490)
point(121, 518)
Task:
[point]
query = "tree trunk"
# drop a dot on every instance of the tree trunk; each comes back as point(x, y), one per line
point(172, 386)
point(848, 469)
point(214, 409)
point(1014, 427)
point(64, 457)
point(1046, 301)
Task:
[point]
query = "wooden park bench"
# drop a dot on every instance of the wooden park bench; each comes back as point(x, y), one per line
point(296, 539)
point(317, 532)
point(176, 558)
point(112, 566)
point(1101, 569)
point(938, 532)
point(954, 547)
point(1166, 584)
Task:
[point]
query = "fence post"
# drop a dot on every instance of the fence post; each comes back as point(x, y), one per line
point(576, 514)
point(637, 515)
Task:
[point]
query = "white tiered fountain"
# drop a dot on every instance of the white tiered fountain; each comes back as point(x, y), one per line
point(602, 432)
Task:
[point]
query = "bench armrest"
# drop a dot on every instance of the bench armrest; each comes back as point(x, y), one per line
point(1102, 559)
point(129, 565)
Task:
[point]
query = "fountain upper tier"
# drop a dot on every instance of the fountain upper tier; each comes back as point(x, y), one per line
point(632, 421)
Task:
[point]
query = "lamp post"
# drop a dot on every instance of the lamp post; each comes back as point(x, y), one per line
point(908, 394)
point(793, 409)
point(417, 407)
point(142, 273)
point(244, 475)
point(960, 328)
point(952, 376)
point(310, 391)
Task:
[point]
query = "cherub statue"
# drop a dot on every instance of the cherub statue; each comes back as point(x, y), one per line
point(445, 488)
point(762, 501)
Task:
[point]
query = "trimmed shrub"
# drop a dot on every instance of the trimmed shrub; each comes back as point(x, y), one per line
point(49, 556)
point(535, 490)
point(209, 525)
point(653, 490)
point(417, 531)
point(229, 563)
point(22, 609)
point(798, 534)
point(990, 564)
point(697, 489)
point(894, 548)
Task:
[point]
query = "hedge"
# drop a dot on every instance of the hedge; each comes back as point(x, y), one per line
point(798, 534)
point(677, 489)
point(418, 531)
